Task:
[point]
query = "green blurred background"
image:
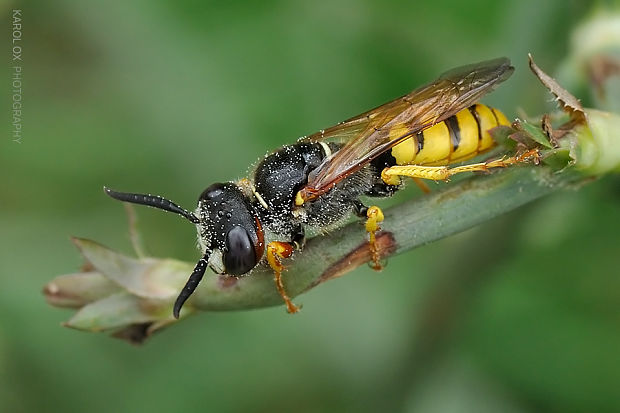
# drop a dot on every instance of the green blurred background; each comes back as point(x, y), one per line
point(520, 314)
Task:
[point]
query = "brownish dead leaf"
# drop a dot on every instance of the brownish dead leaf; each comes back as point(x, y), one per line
point(569, 103)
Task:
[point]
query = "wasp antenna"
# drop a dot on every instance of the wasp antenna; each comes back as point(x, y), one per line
point(154, 201)
point(190, 286)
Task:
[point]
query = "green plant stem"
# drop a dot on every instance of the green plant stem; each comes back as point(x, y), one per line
point(445, 212)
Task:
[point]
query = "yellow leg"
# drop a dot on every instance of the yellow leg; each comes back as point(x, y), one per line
point(374, 216)
point(275, 252)
point(443, 173)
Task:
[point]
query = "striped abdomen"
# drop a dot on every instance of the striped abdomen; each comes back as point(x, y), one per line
point(456, 139)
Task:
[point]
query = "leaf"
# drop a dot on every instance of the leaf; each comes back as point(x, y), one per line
point(569, 103)
point(77, 290)
point(147, 277)
point(119, 310)
point(535, 133)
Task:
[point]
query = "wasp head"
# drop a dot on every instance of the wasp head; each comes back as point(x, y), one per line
point(228, 229)
point(229, 233)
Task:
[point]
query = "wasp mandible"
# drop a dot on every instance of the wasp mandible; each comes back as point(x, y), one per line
point(316, 183)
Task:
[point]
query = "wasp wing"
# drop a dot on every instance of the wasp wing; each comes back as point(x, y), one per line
point(370, 134)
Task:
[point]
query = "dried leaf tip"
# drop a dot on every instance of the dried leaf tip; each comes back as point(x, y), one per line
point(568, 103)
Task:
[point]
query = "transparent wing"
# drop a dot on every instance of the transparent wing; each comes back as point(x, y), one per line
point(368, 135)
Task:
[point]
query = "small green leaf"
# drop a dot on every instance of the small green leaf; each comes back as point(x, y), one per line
point(147, 277)
point(501, 134)
point(536, 133)
point(557, 159)
point(77, 290)
point(119, 310)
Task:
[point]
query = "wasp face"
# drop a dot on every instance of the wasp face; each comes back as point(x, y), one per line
point(229, 230)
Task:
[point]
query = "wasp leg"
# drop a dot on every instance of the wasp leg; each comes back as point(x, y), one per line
point(373, 215)
point(359, 208)
point(443, 173)
point(298, 237)
point(277, 250)
point(382, 190)
point(422, 185)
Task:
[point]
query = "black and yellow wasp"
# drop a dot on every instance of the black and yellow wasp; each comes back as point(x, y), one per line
point(316, 183)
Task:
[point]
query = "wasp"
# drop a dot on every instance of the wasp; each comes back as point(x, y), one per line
point(316, 183)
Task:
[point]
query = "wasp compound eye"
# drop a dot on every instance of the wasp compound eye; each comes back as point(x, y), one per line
point(240, 256)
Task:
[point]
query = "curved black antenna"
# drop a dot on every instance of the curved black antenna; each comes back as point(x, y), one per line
point(191, 284)
point(154, 201)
